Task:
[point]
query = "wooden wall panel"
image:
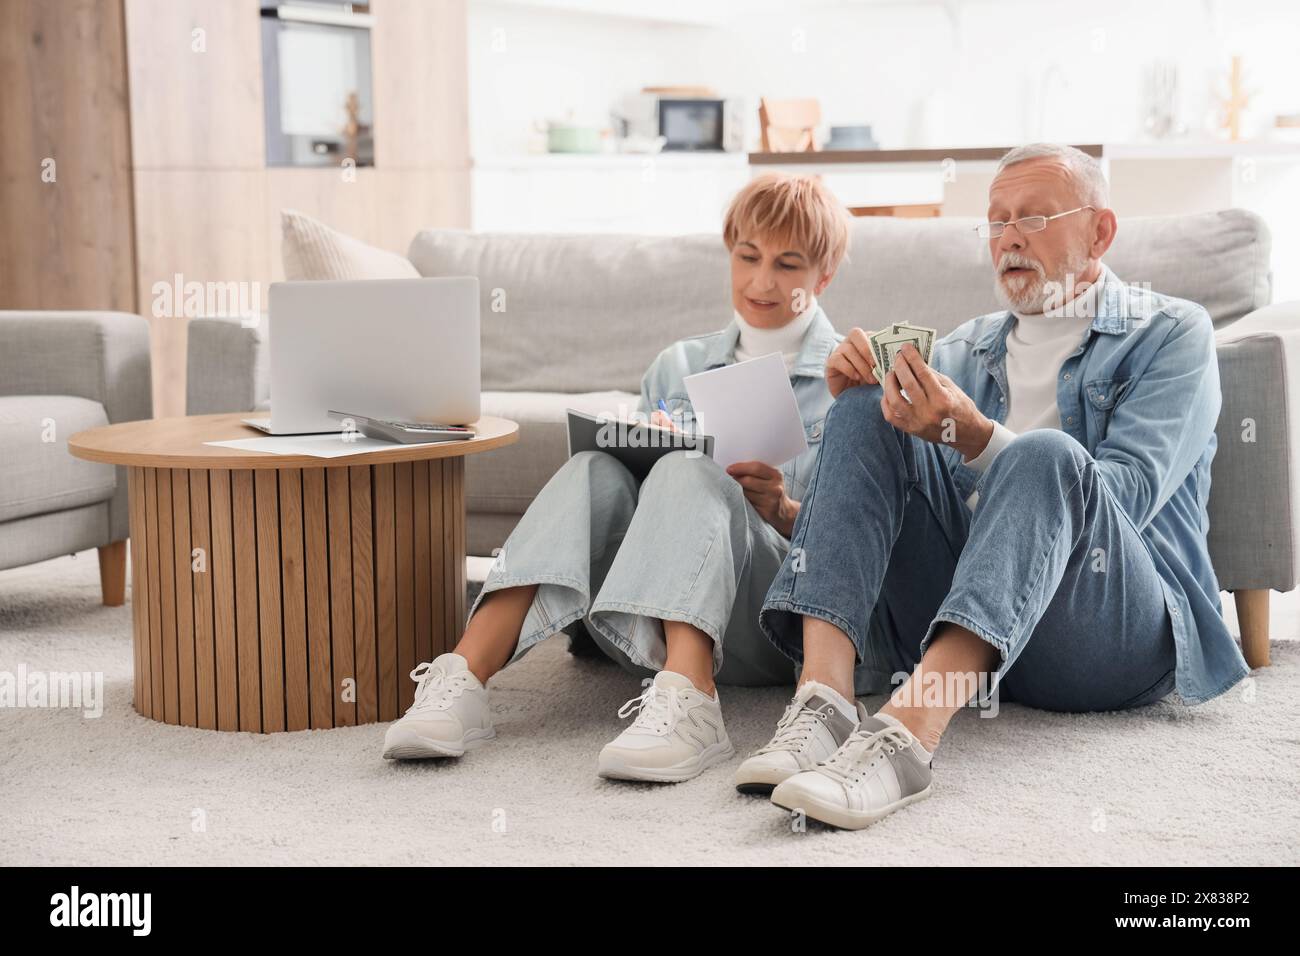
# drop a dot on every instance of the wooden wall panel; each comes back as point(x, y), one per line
point(65, 244)
point(415, 199)
point(420, 52)
point(208, 227)
point(193, 109)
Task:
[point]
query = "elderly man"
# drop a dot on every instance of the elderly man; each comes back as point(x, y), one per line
point(1026, 515)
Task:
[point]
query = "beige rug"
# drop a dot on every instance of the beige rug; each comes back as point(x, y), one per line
point(1216, 784)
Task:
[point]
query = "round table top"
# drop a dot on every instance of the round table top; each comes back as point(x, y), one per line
point(179, 443)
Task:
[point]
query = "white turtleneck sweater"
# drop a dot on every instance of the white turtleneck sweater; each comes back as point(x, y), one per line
point(787, 340)
point(1037, 347)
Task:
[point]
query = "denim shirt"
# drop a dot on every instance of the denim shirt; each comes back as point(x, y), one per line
point(1141, 395)
point(664, 379)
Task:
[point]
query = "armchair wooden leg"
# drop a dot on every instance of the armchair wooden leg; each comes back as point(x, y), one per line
point(112, 573)
point(1252, 615)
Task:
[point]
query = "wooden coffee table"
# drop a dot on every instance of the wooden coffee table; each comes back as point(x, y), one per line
point(276, 592)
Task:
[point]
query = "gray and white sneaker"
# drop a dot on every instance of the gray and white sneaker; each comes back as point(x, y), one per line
point(812, 728)
point(678, 733)
point(879, 769)
point(450, 713)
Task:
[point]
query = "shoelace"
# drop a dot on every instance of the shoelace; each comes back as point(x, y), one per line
point(848, 764)
point(657, 709)
point(795, 726)
point(435, 689)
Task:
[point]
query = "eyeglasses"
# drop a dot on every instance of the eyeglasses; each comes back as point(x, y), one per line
point(991, 230)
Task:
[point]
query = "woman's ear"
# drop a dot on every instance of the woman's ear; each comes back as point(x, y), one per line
point(823, 282)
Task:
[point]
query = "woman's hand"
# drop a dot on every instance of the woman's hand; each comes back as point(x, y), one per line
point(851, 363)
point(764, 488)
point(663, 421)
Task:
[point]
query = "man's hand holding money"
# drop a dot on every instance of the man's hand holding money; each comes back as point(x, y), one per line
point(938, 410)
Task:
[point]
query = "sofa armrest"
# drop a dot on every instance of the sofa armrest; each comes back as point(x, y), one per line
point(101, 356)
point(1255, 488)
point(227, 366)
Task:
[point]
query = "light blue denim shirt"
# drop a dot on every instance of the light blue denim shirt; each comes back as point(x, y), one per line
point(1141, 395)
point(664, 379)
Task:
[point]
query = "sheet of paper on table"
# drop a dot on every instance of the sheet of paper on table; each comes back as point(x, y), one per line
point(750, 410)
point(318, 446)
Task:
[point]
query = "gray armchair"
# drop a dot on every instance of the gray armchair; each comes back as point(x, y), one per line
point(61, 372)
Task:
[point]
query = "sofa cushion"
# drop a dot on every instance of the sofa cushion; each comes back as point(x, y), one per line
point(936, 272)
point(39, 477)
point(571, 313)
point(505, 481)
point(577, 313)
point(312, 250)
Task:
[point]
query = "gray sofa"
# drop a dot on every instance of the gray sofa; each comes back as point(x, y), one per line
point(573, 320)
point(60, 373)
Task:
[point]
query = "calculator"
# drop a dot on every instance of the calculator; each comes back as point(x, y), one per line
point(406, 433)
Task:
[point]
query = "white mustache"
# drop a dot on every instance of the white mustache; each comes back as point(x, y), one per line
point(1014, 260)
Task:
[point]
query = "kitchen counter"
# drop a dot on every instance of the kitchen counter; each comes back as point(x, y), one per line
point(1171, 149)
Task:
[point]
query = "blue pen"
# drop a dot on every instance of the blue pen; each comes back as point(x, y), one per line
point(664, 408)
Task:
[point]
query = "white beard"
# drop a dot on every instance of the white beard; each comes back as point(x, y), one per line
point(1029, 295)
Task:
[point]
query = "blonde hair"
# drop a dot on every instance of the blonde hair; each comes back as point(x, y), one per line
point(787, 208)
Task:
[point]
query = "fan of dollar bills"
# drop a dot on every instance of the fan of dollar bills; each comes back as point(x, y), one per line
point(886, 344)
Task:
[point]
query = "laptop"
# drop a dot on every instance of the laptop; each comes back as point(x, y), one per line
point(402, 350)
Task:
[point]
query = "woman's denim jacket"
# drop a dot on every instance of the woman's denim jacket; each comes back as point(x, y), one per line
point(664, 380)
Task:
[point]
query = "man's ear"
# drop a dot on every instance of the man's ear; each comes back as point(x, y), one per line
point(1104, 232)
point(823, 282)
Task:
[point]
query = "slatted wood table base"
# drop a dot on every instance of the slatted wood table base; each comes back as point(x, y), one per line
point(292, 598)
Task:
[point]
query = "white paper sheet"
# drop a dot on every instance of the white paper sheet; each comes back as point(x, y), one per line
point(318, 446)
point(750, 410)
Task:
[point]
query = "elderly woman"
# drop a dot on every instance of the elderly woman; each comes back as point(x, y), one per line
point(668, 575)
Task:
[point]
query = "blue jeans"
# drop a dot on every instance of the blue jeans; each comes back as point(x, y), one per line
point(683, 545)
point(1048, 569)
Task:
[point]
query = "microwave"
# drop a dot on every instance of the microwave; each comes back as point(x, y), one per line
point(686, 123)
point(700, 125)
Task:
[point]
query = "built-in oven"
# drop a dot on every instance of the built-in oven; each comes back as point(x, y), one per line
point(318, 103)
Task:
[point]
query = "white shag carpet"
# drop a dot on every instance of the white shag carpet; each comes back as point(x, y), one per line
point(1215, 784)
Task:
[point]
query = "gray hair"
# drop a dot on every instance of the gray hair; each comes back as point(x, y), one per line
point(1088, 177)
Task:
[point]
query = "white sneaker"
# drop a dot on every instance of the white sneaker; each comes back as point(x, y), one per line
point(881, 768)
point(449, 715)
point(677, 734)
point(815, 723)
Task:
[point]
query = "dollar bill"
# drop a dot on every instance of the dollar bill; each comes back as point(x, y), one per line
point(887, 343)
